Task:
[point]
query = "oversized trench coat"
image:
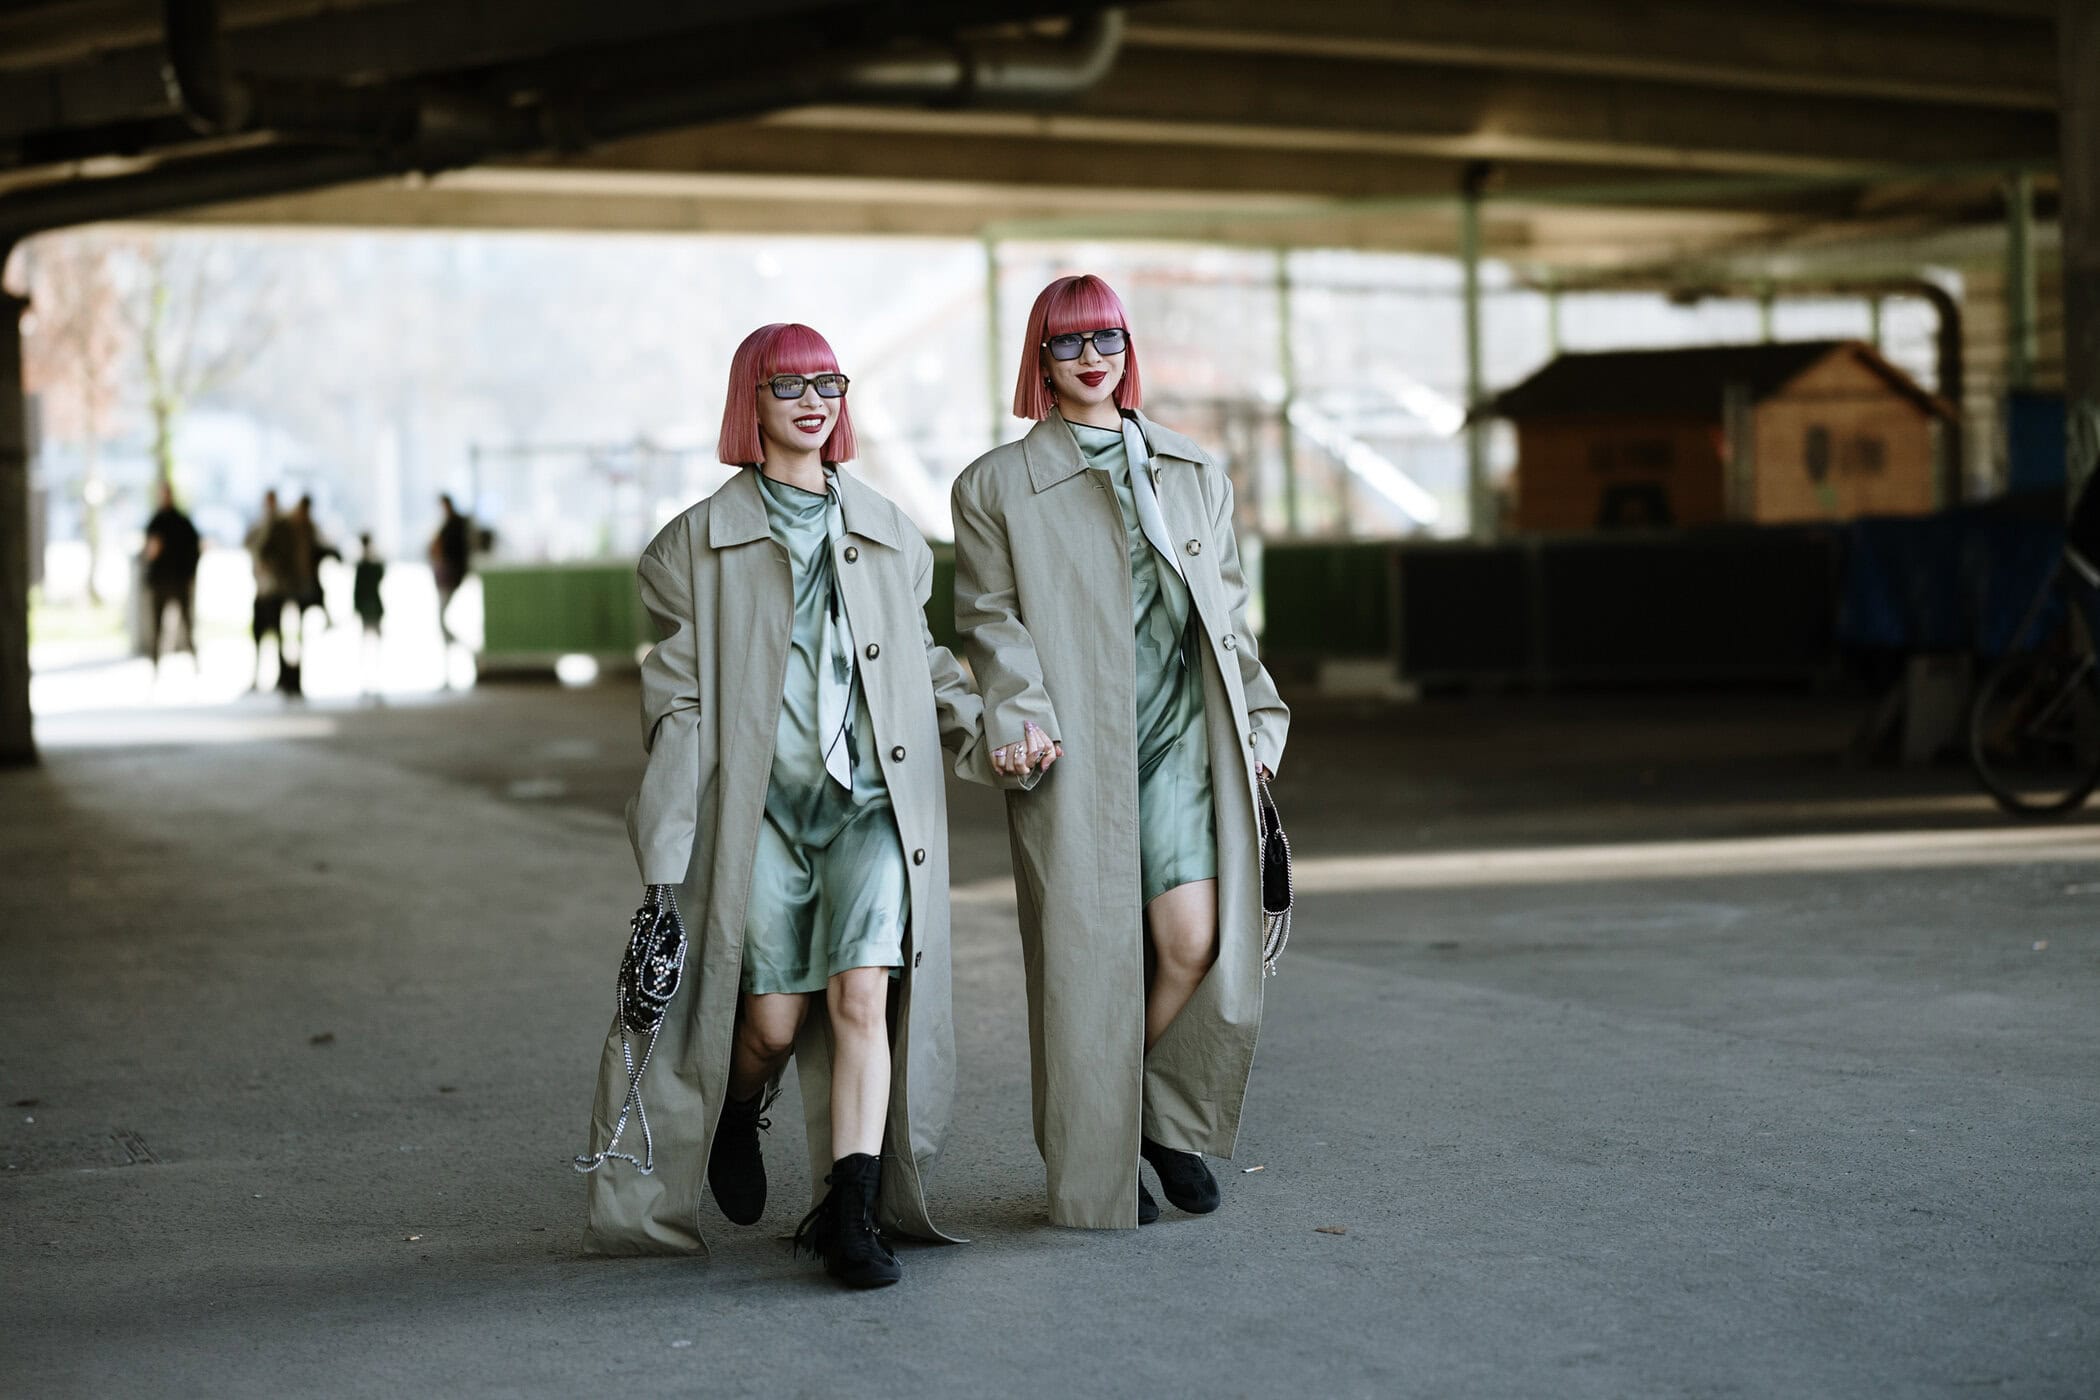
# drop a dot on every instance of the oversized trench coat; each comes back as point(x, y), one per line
point(720, 590)
point(1043, 602)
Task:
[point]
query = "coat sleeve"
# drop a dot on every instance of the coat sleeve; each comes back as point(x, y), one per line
point(1267, 715)
point(1002, 655)
point(664, 816)
point(956, 707)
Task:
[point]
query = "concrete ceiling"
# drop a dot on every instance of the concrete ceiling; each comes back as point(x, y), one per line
point(1616, 132)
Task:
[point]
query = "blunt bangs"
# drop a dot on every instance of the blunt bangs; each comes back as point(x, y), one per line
point(1083, 303)
point(781, 348)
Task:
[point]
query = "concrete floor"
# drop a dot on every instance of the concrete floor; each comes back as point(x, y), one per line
point(1639, 1047)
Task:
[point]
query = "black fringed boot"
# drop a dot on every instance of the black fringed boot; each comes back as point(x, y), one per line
point(841, 1230)
point(1182, 1175)
point(736, 1169)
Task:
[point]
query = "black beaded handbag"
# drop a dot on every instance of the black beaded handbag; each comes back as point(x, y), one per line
point(1277, 894)
point(650, 972)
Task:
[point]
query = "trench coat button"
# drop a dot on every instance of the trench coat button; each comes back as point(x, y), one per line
point(874, 650)
point(1194, 547)
point(1250, 741)
point(1232, 643)
point(918, 857)
point(898, 753)
point(852, 553)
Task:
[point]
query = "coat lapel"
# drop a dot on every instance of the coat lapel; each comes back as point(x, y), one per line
point(1052, 452)
point(867, 514)
point(735, 514)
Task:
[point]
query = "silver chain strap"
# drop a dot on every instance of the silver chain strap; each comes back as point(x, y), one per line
point(649, 978)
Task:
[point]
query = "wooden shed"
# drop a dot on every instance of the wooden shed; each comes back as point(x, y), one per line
point(1800, 431)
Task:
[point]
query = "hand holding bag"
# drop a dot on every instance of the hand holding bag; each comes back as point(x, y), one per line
point(1276, 891)
point(650, 972)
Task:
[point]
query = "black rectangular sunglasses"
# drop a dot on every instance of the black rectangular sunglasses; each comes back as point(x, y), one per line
point(790, 386)
point(1112, 340)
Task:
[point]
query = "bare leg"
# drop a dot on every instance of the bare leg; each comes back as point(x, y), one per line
point(445, 634)
point(1183, 926)
point(859, 999)
point(765, 1037)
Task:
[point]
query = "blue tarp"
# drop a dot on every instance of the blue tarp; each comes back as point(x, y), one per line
point(1955, 582)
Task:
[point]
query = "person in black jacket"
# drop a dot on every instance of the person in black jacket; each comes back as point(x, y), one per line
point(449, 551)
point(173, 549)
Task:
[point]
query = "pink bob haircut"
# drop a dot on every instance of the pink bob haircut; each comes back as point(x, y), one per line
point(1072, 304)
point(781, 348)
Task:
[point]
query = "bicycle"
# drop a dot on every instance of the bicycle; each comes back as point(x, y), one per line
point(2034, 729)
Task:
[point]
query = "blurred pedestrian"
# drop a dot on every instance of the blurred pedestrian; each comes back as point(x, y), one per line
point(173, 549)
point(310, 551)
point(371, 611)
point(273, 555)
point(449, 549)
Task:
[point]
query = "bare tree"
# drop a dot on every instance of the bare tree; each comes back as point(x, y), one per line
point(76, 342)
point(200, 315)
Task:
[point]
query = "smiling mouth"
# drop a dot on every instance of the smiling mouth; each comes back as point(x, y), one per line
point(812, 424)
point(1093, 377)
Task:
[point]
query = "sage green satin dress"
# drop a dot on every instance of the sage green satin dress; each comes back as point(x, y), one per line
point(829, 887)
point(1177, 841)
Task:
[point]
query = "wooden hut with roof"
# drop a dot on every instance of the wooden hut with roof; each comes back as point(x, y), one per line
point(1800, 431)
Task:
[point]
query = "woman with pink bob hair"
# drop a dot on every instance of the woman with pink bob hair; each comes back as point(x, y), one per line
point(1102, 608)
point(794, 714)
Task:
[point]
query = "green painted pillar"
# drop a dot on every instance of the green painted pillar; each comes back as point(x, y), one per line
point(992, 376)
point(17, 739)
point(2020, 293)
point(1765, 298)
point(1874, 322)
point(1287, 367)
point(2078, 124)
point(1480, 504)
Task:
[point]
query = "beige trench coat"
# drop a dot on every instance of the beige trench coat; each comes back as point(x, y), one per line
point(721, 591)
point(1042, 599)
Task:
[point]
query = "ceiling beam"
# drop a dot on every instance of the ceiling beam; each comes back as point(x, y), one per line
point(1370, 108)
point(1224, 173)
point(537, 43)
point(605, 202)
point(1778, 46)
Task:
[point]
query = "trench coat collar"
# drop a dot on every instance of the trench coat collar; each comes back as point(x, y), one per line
point(1053, 452)
point(737, 513)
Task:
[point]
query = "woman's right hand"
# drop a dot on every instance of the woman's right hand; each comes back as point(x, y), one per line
point(1036, 750)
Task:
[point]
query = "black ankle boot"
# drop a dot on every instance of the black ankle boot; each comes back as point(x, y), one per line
point(1182, 1175)
point(841, 1230)
point(1148, 1209)
point(736, 1171)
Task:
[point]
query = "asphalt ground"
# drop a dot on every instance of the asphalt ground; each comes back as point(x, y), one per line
point(1626, 1047)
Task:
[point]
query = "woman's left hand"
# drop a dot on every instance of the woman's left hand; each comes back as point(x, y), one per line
point(1036, 750)
point(1042, 749)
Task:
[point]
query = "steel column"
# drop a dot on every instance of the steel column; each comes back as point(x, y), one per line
point(1287, 367)
point(1480, 506)
point(2078, 50)
point(2019, 282)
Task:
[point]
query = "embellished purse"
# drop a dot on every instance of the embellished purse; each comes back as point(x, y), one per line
point(1276, 892)
point(650, 972)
